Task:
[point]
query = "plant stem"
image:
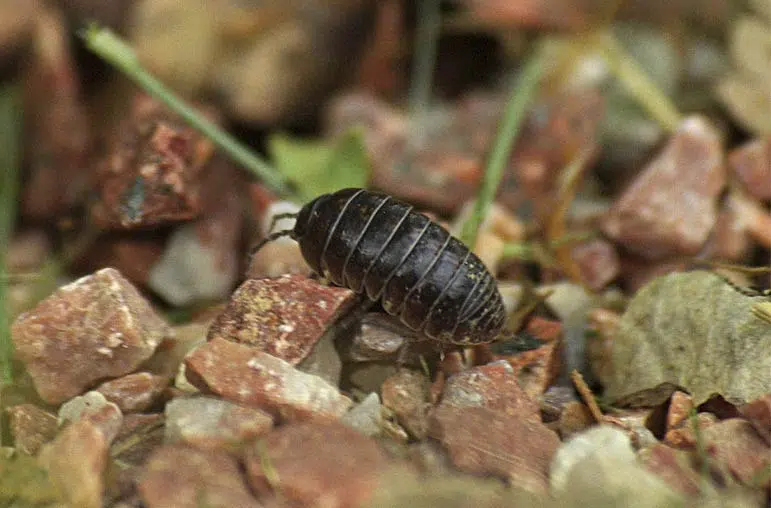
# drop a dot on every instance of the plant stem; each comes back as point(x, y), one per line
point(637, 82)
point(118, 53)
point(429, 18)
point(10, 127)
point(508, 129)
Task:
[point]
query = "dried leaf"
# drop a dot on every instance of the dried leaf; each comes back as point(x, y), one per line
point(694, 331)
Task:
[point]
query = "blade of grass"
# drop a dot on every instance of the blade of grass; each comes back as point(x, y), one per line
point(119, 54)
point(701, 449)
point(10, 127)
point(429, 19)
point(556, 226)
point(508, 129)
point(637, 82)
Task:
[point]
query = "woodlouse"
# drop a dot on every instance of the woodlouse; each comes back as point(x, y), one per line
point(383, 248)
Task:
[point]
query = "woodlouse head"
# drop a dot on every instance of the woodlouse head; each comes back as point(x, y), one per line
point(305, 215)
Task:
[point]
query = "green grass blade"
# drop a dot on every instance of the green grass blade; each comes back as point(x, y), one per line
point(10, 149)
point(508, 129)
point(119, 54)
point(637, 82)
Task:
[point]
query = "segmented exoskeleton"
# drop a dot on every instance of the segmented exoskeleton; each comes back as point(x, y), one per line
point(383, 248)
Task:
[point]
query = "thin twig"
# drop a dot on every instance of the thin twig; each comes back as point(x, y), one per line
point(587, 396)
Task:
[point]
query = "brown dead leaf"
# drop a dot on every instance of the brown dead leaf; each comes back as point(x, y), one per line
point(693, 331)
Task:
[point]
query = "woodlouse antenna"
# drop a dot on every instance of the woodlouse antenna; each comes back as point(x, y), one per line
point(279, 216)
point(270, 238)
point(274, 236)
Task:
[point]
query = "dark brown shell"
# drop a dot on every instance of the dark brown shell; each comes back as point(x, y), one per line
point(376, 245)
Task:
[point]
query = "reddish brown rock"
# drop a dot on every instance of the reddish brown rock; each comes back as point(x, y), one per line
point(636, 272)
point(367, 417)
point(598, 262)
point(448, 171)
point(171, 352)
point(599, 345)
point(285, 66)
point(208, 422)
point(27, 251)
point(758, 413)
point(554, 400)
point(735, 444)
point(132, 254)
point(31, 427)
point(153, 173)
point(94, 328)
point(503, 443)
point(406, 394)
point(138, 438)
point(751, 163)
point(683, 436)
point(672, 466)
point(575, 417)
point(636, 423)
point(284, 317)
point(558, 15)
point(201, 260)
point(537, 369)
point(555, 132)
point(753, 217)
point(178, 476)
point(314, 462)
point(240, 374)
point(93, 407)
point(493, 386)
point(680, 406)
point(57, 135)
point(76, 461)
point(139, 421)
point(134, 393)
point(729, 240)
point(671, 207)
point(484, 409)
point(17, 21)
point(375, 342)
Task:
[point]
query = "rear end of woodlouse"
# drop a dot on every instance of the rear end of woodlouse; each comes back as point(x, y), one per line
point(384, 249)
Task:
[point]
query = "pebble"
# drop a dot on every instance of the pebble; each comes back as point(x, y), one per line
point(316, 464)
point(180, 476)
point(284, 317)
point(209, 422)
point(94, 328)
point(239, 373)
point(671, 207)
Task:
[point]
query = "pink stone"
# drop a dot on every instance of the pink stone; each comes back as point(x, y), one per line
point(315, 462)
point(238, 373)
point(284, 316)
point(94, 328)
point(671, 207)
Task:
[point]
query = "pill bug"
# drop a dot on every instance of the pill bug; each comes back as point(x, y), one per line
point(382, 248)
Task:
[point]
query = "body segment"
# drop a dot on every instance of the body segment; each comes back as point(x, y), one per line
point(383, 248)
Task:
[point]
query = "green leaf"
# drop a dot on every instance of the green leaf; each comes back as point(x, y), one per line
point(319, 167)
